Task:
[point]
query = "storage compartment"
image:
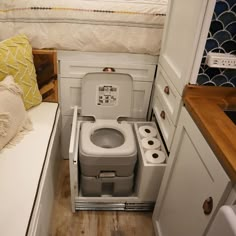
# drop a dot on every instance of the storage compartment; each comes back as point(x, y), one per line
point(149, 175)
point(114, 186)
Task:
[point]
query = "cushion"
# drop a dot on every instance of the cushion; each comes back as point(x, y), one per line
point(16, 59)
point(13, 116)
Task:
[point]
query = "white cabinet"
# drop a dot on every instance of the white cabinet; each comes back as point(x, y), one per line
point(41, 214)
point(183, 43)
point(187, 24)
point(193, 176)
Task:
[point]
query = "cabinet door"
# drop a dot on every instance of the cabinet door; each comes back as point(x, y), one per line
point(185, 33)
point(193, 175)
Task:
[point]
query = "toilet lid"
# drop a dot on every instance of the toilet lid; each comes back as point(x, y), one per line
point(106, 95)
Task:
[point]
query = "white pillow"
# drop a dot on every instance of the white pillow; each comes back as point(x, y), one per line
point(13, 116)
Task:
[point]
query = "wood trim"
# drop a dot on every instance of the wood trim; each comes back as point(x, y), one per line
point(47, 80)
point(206, 105)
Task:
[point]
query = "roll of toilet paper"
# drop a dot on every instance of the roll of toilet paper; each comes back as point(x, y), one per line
point(150, 143)
point(147, 131)
point(155, 156)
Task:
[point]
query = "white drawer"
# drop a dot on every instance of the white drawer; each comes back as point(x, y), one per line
point(164, 121)
point(77, 69)
point(167, 94)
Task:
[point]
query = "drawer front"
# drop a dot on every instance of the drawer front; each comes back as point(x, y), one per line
point(77, 69)
point(167, 94)
point(164, 121)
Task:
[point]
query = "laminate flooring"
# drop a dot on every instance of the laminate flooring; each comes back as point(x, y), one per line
point(93, 223)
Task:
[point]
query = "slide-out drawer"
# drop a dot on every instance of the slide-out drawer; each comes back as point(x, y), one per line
point(164, 121)
point(167, 94)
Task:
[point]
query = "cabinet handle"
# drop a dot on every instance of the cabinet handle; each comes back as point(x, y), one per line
point(207, 206)
point(109, 69)
point(167, 90)
point(163, 115)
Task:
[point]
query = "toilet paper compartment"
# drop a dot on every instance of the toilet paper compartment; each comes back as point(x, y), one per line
point(151, 141)
point(148, 174)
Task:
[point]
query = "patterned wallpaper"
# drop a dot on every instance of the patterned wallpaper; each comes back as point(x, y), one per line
point(222, 39)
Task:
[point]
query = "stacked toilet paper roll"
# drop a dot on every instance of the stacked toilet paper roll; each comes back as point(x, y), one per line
point(150, 143)
point(146, 131)
point(155, 156)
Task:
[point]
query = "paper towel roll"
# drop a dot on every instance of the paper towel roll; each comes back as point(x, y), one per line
point(147, 131)
point(151, 143)
point(155, 156)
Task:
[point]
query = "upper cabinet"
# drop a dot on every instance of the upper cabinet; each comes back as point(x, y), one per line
point(184, 39)
point(183, 43)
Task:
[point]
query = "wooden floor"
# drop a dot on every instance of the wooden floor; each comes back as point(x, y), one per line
point(94, 223)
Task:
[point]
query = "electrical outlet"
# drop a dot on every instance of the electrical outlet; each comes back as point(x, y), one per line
point(221, 60)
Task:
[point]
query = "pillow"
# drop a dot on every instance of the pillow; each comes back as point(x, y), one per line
point(13, 116)
point(16, 59)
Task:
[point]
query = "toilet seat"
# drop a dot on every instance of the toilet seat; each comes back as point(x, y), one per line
point(128, 148)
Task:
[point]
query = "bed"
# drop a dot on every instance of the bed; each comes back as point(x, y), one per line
point(27, 175)
point(129, 26)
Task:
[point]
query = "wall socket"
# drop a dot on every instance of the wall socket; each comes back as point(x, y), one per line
point(221, 60)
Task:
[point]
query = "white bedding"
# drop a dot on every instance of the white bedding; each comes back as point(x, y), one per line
point(133, 26)
point(20, 171)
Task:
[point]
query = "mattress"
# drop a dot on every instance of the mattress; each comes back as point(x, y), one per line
point(133, 26)
point(20, 171)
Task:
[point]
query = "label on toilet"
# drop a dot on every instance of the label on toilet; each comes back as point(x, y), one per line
point(107, 95)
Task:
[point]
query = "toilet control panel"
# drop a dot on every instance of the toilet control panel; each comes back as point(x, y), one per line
point(107, 95)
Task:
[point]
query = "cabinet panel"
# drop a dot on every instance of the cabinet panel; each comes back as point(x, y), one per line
point(193, 175)
point(181, 38)
point(78, 69)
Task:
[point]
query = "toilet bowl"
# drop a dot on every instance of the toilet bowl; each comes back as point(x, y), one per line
point(107, 138)
point(106, 145)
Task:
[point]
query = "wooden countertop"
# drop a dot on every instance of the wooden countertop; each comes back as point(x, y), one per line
point(206, 105)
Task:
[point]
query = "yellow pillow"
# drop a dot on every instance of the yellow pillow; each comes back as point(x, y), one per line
point(16, 59)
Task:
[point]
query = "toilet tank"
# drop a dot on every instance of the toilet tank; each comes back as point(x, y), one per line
point(73, 66)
